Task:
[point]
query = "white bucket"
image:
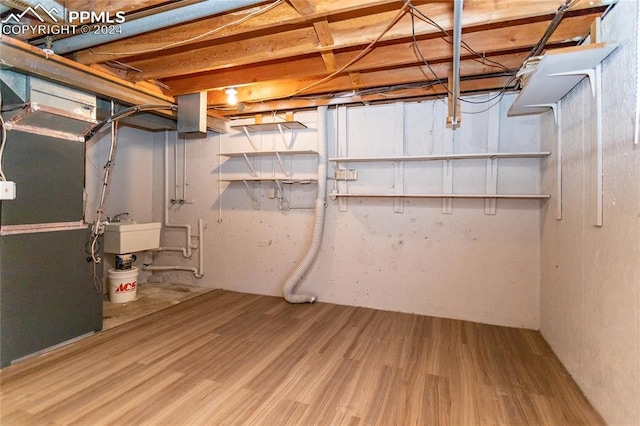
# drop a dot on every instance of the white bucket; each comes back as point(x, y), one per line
point(123, 285)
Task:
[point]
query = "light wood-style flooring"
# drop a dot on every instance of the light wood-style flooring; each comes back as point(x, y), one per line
point(227, 358)
point(151, 297)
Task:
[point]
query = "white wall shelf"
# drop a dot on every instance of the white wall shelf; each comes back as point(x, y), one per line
point(277, 154)
point(558, 72)
point(267, 153)
point(335, 195)
point(265, 127)
point(471, 156)
point(261, 179)
point(252, 182)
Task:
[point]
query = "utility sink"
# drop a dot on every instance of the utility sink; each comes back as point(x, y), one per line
point(129, 237)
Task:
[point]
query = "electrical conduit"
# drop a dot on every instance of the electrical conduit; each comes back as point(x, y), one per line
point(150, 23)
point(318, 225)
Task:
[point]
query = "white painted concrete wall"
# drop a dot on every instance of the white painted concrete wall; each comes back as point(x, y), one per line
point(464, 265)
point(131, 189)
point(590, 285)
point(132, 174)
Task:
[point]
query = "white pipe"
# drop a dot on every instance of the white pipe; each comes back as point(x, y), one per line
point(318, 225)
point(175, 171)
point(457, 37)
point(151, 23)
point(184, 169)
point(636, 132)
point(171, 268)
point(186, 251)
point(200, 248)
point(197, 272)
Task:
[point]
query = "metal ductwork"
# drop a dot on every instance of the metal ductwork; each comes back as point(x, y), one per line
point(151, 23)
point(37, 106)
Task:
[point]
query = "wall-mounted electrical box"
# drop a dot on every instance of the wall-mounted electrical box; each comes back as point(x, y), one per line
point(7, 190)
point(346, 174)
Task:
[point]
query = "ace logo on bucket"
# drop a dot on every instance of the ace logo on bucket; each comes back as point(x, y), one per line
point(126, 287)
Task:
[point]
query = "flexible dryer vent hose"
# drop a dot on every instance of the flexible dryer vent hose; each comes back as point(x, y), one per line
point(318, 224)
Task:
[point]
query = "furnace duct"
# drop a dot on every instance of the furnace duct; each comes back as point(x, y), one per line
point(318, 224)
point(151, 23)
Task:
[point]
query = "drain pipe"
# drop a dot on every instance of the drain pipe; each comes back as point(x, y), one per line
point(318, 225)
point(151, 23)
point(186, 250)
point(197, 272)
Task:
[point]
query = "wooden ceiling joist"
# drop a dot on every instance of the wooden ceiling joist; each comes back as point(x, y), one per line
point(344, 83)
point(393, 55)
point(303, 52)
point(34, 61)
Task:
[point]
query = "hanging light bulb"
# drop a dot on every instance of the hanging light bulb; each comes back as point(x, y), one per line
point(231, 93)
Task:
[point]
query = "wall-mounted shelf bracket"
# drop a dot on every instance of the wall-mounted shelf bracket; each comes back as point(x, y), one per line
point(281, 164)
point(553, 106)
point(491, 173)
point(287, 145)
point(246, 132)
point(251, 192)
point(253, 171)
point(447, 170)
point(558, 116)
point(590, 73)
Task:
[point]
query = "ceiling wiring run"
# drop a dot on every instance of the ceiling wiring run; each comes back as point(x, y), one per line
point(416, 13)
point(125, 113)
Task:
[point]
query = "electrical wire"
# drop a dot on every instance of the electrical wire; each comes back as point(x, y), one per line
point(414, 44)
point(125, 113)
point(414, 12)
point(537, 49)
point(194, 38)
point(464, 44)
point(3, 142)
point(500, 93)
point(360, 55)
point(94, 242)
point(426, 63)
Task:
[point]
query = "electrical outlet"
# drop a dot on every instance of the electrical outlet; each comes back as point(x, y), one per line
point(347, 174)
point(7, 190)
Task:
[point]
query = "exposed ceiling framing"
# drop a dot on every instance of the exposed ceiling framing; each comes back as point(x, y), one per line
point(301, 53)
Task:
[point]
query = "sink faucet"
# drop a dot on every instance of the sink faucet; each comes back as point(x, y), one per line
point(117, 218)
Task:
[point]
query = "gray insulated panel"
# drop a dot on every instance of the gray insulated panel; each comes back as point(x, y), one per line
point(49, 177)
point(46, 292)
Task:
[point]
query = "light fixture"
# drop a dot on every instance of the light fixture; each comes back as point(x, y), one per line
point(231, 93)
